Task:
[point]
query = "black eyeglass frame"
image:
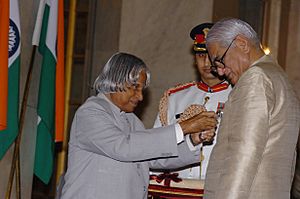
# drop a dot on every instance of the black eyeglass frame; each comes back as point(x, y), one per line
point(221, 60)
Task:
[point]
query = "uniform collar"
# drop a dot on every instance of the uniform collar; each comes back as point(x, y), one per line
point(216, 88)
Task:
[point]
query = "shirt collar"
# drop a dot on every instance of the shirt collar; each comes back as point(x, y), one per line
point(216, 88)
point(115, 108)
point(262, 58)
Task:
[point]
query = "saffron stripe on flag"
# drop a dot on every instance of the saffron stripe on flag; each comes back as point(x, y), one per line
point(60, 77)
point(4, 23)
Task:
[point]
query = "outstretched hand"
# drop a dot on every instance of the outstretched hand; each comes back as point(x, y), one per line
point(205, 136)
point(206, 120)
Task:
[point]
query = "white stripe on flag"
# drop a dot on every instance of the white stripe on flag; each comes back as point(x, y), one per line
point(14, 16)
point(38, 24)
point(52, 26)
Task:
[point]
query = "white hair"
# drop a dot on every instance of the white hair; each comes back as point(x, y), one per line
point(225, 30)
point(121, 70)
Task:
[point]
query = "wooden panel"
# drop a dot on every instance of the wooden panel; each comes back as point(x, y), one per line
point(223, 9)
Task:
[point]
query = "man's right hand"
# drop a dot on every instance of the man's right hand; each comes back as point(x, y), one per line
point(206, 120)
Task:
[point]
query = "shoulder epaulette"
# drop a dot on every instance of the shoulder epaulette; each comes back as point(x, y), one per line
point(164, 101)
point(180, 87)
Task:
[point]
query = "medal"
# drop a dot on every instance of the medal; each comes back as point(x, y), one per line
point(220, 109)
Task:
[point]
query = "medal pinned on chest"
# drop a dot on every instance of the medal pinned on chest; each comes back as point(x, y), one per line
point(220, 109)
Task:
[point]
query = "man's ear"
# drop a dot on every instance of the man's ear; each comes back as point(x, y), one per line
point(242, 43)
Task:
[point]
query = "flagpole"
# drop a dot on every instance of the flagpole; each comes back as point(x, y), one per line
point(18, 175)
point(69, 61)
point(16, 154)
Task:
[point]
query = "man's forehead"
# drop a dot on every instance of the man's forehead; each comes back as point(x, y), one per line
point(213, 49)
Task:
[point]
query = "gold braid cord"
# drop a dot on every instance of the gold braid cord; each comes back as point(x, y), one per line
point(189, 112)
point(163, 108)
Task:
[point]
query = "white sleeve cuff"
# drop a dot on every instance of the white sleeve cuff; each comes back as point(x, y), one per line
point(190, 144)
point(179, 133)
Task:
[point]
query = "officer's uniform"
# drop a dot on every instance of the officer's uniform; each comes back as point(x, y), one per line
point(176, 100)
point(185, 95)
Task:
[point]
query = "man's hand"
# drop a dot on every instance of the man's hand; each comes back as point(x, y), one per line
point(204, 121)
point(205, 136)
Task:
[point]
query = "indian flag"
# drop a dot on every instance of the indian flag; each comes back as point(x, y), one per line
point(11, 50)
point(50, 44)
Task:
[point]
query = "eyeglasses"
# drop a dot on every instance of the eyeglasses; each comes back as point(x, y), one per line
point(219, 63)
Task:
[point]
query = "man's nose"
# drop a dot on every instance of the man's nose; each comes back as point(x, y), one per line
point(221, 71)
point(207, 61)
point(139, 95)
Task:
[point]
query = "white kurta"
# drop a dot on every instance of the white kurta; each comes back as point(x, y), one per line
point(256, 150)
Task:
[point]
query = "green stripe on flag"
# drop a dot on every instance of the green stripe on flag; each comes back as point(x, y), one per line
point(10, 133)
point(44, 154)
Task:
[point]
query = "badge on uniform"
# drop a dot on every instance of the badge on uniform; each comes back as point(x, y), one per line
point(220, 108)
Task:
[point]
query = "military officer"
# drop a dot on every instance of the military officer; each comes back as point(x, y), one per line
point(210, 92)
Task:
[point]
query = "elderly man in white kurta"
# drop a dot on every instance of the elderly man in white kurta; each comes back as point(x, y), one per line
point(255, 155)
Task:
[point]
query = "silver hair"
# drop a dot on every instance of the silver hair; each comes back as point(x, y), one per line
point(225, 30)
point(120, 71)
